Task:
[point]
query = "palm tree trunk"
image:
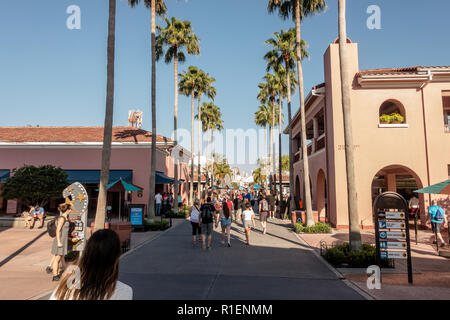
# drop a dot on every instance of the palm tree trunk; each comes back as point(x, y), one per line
point(292, 204)
point(191, 187)
point(151, 197)
point(212, 156)
point(309, 214)
point(272, 187)
point(175, 120)
point(265, 141)
point(107, 130)
point(279, 146)
point(354, 229)
point(199, 147)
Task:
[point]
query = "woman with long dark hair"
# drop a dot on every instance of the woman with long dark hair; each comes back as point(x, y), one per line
point(98, 272)
point(225, 222)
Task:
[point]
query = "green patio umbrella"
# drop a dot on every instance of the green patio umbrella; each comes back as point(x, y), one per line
point(438, 188)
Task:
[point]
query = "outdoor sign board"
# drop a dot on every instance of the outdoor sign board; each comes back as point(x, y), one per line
point(76, 195)
point(137, 214)
point(391, 223)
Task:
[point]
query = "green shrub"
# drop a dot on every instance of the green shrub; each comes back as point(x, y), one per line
point(156, 225)
point(341, 254)
point(319, 227)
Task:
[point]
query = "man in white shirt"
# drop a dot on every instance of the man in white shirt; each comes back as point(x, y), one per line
point(158, 200)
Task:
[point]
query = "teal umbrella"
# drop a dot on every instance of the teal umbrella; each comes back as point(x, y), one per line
point(438, 188)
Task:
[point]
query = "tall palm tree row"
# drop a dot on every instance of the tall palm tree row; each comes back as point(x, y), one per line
point(346, 81)
point(211, 119)
point(283, 52)
point(107, 130)
point(176, 36)
point(205, 87)
point(156, 7)
point(189, 82)
point(298, 10)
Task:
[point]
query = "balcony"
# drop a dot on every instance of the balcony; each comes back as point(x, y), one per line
point(320, 143)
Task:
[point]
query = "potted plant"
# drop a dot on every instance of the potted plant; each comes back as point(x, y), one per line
point(397, 118)
point(385, 119)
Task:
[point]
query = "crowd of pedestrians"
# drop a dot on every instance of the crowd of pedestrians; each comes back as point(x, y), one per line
point(233, 207)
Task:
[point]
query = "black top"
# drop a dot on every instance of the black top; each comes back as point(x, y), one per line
point(203, 209)
point(271, 199)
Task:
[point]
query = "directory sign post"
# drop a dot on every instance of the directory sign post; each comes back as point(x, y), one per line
point(392, 229)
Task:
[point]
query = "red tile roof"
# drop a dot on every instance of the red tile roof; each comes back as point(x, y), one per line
point(385, 71)
point(74, 134)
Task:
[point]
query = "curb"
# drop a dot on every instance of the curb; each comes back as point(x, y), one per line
point(41, 295)
point(150, 240)
point(340, 276)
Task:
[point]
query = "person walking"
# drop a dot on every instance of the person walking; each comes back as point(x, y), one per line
point(99, 272)
point(158, 201)
point(263, 212)
point(271, 200)
point(194, 217)
point(225, 222)
point(237, 207)
point(248, 218)
point(60, 242)
point(206, 221)
point(437, 217)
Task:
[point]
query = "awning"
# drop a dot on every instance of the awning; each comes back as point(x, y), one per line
point(161, 178)
point(127, 186)
point(4, 174)
point(438, 188)
point(93, 176)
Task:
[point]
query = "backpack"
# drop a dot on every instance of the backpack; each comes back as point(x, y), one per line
point(207, 214)
point(51, 227)
point(439, 214)
point(265, 205)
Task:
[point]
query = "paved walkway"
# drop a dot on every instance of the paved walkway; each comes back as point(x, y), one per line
point(275, 266)
point(24, 255)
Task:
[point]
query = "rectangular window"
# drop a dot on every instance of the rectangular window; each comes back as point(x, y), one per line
point(448, 167)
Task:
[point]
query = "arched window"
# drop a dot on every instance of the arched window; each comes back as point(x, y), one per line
point(392, 112)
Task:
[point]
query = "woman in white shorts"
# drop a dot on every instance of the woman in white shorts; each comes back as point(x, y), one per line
point(248, 218)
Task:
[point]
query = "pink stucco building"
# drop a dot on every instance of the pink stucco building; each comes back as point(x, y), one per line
point(78, 151)
point(399, 156)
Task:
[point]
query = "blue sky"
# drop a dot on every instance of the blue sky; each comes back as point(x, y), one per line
point(51, 75)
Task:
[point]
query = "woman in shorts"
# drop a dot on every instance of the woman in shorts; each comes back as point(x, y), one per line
point(194, 214)
point(225, 222)
point(248, 218)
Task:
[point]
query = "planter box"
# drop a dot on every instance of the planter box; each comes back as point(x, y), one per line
point(302, 214)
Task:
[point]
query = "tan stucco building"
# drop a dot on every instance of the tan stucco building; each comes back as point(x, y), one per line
point(402, 156)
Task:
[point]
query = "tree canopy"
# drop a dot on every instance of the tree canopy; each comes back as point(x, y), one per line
point(35, 185)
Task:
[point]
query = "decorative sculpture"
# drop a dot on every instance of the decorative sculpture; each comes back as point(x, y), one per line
point(135, 118)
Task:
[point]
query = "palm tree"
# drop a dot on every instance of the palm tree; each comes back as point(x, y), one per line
point(205, 87)
point(107, 130)
point(259, 177)
point(346, 81)
point(268, 92)
point(176, 35)
point(297, 10)
point(283, 52)
point(156, 7)
point(189, 83)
